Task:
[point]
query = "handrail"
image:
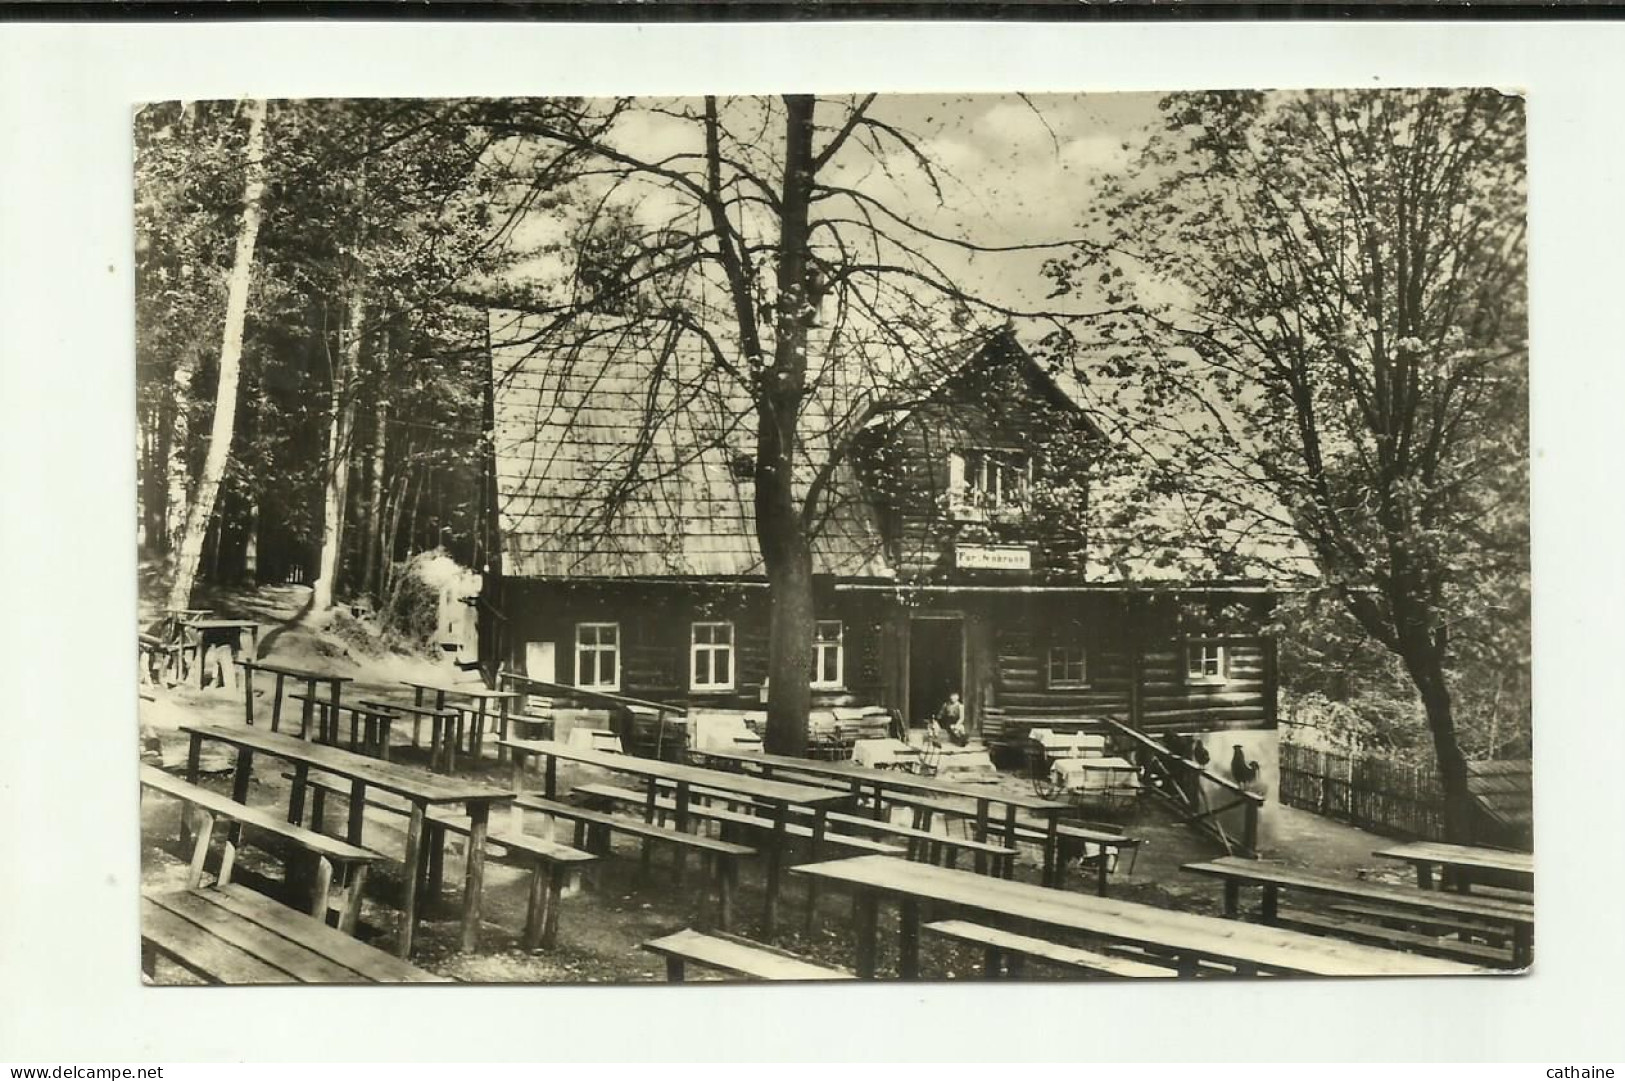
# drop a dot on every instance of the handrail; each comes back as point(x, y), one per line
point(1200, 812)
point(1196, 767)
point(583, 692)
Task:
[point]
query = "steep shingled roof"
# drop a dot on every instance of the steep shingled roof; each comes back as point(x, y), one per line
point(621, 453)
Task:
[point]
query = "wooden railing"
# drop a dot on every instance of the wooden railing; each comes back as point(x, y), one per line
point(1184, 783)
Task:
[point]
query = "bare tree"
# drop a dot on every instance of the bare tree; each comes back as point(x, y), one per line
point(818, 305)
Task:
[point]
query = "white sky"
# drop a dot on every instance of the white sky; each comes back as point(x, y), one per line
point(1012, 171)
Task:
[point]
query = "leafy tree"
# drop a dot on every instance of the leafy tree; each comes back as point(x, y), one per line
point(1325, 340)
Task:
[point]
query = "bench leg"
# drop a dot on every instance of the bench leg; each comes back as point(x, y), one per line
point(435, 873)
point(351, 916)
point(322, 889)
point(556, 874)
point(992, 963)
point(228, 860)
point(1232, 898)
point(1271, 902)
point(535, 903)
point(674, 970)
point(1015, 966)
point(200, 850)
point(149, 960)
point(725, 888)
point(908, 939)
point(474, 873)
point(866, 928)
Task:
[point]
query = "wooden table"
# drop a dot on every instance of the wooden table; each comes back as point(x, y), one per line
point(482, 696)
point(1236, 872)
point(1458, 862)
point(779, 796)
point(221, 632)
point(421, 790)
point(1189, 938)
point(879, 781)
point(229, 935)
point(309, 678)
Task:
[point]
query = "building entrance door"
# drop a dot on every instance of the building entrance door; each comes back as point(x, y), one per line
point(936, 665)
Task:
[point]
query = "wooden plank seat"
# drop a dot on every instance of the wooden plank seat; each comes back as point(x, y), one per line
point(592, 830)
point(231, 935)
point(665, 806)
point(736, 957)
point(1005, 952)
point(441, 719)
point(1353, 930)
point(335, 862)
point(1462, 926)
point(549, 862)
point(369, 724)
point(922, 843)
point(1425, 905)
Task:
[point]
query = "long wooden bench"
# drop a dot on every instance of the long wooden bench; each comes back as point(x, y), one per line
point(1421, 905)
point(592, 829)
point(332, 858)
point(1004, 953)
point(725, 953)
point(549, 862)
point(1354, 930)
point(666, 805)
point(230, 935)
point(935, 847)
point(369, 724)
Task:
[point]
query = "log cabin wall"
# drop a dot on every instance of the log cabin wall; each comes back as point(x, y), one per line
point(655, 625)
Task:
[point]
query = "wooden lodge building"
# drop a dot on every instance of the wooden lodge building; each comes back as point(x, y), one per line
point(629, 562)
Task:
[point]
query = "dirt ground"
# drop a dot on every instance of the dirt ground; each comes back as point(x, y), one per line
point(603, 921)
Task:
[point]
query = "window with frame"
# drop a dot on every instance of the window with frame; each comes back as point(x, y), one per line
point(829, 659)
point(598, 656)
point(1068, 665)
point(985, 479)
point(1204, 662)
point(712, 657)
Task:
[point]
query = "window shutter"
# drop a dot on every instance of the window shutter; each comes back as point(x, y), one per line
point(956, 471)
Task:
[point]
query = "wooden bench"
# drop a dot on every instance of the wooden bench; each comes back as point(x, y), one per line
point(333, 858)
point(230, 935)
point(442, 729)
point(158, 656)
point(935, 847)
point(725, 953)
point(1416, 904)
point(549, 862)
point(370, 722)
point(1354, 930)
point(1004, 953)
point(665, 806)
point(592, 829)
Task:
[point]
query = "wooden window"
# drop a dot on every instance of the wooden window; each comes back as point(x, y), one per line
point(712, 651)
point(829, 661)
point(1204, 663)
point(598, 656)
point(987, 479)
point(1068, 666)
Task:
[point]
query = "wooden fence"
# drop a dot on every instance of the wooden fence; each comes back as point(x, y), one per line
point(1373, 793)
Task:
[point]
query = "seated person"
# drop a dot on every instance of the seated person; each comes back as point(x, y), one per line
point(951, 719)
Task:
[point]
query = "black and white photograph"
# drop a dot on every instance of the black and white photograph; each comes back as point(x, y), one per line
point(899, 537)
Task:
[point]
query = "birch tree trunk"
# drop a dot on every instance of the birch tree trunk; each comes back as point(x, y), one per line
point(375, 499)
point(340, 446)
point(201, 508)
point(176, 468)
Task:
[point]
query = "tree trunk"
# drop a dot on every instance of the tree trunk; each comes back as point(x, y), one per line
point(178, 445)
point(231, 351)
point(780, 526)
point(374, 533)
point(340, 446)
point(1427, 673)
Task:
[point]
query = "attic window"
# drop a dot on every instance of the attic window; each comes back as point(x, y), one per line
point(742, 466)
point(987, 479)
